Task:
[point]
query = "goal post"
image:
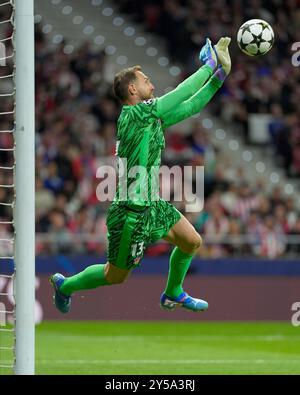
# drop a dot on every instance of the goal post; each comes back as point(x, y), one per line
point(24, 216)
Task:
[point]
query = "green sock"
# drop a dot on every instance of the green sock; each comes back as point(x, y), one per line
point(92, 277)
point(179, 264)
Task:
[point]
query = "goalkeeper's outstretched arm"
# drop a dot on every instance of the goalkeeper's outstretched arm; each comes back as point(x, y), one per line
point(191, 85)
point(202, 96)
point(194, 104)
point(183, 91)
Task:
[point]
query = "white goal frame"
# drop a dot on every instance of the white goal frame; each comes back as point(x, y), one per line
point(24, 216)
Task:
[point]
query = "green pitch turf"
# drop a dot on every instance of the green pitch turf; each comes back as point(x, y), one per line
point(167, 348)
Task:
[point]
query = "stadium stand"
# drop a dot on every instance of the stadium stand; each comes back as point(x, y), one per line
point(258, 86)
point(76, 117)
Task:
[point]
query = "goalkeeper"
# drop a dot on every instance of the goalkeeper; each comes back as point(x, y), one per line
point(134, 218)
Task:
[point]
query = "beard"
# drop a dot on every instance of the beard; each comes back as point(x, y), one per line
point(147, 96)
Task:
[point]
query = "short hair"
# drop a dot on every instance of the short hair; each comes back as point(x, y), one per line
point(121, 81)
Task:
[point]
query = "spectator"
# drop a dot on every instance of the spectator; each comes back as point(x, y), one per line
point(76, 124)
point(271, 239)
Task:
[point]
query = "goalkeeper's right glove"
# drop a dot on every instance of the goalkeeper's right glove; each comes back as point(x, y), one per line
point(208, 55)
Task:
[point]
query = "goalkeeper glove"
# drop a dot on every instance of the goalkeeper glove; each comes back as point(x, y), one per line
point(224, 60)
point(207, 55)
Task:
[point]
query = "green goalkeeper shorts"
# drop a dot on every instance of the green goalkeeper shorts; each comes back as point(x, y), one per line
point(131, 231)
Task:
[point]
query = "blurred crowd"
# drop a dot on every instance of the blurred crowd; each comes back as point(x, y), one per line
point(266, 85)
point(76, 116)
point(240, 216)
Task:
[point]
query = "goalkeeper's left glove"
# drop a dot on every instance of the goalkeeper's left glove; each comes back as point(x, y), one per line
point(224, 59)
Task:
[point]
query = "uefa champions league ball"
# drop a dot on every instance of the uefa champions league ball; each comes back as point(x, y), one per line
point(255, 37)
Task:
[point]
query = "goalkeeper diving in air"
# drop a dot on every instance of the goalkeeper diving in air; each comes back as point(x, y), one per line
point(136, 221)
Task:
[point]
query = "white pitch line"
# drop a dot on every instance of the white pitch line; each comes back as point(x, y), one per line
point(162, 362)
point(230, 337)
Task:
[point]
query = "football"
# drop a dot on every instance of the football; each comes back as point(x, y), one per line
point(255, 37)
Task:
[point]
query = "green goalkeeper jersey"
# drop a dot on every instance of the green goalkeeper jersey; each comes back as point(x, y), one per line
point(140, 135)
point(140, 140)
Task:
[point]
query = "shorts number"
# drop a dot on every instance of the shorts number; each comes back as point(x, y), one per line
point(137, 249)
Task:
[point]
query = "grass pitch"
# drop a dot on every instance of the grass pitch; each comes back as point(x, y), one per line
point(167, 348)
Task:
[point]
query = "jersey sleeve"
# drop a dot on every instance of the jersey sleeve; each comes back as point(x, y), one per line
point(194, 105)
point(186, 89)
point(145, 112)
point(173, 117)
